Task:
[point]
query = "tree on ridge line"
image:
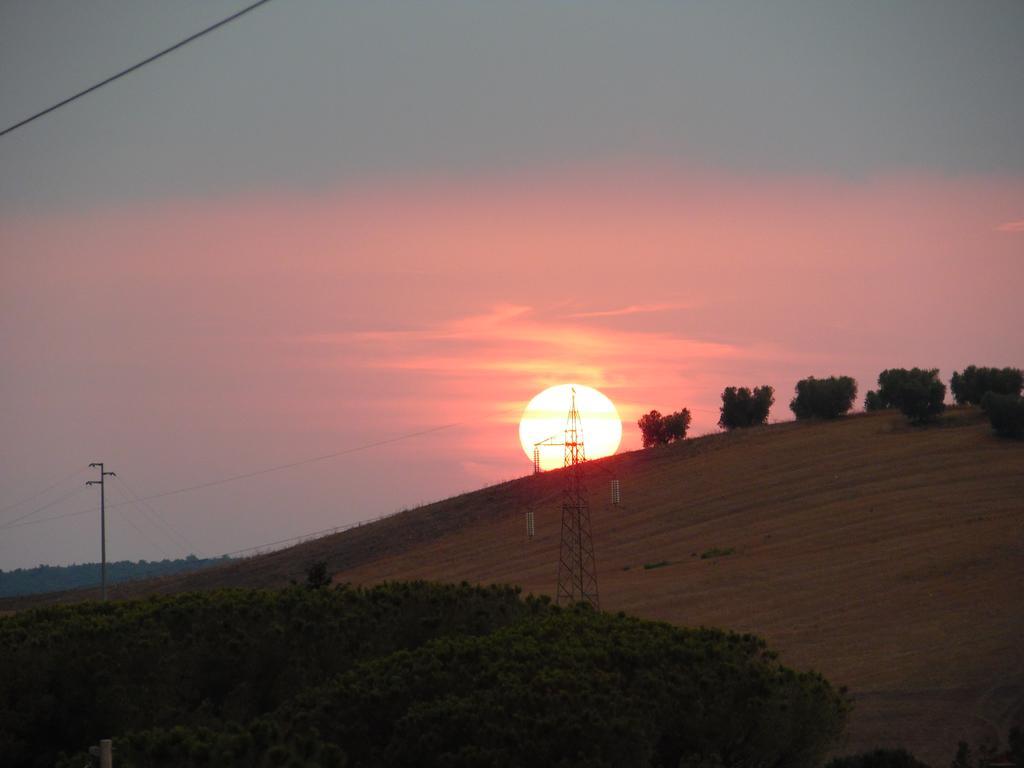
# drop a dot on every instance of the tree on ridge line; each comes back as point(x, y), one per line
point(656, 429)
point(917, 392)
point(1006, 414)
point(971, 386)
point(742, 407)
point(823, 398)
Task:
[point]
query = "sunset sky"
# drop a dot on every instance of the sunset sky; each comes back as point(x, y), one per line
point(331, 224)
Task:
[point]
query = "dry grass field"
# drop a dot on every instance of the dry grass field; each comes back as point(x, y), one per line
point(888, 557)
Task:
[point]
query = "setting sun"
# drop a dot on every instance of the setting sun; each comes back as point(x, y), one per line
point(545, 417)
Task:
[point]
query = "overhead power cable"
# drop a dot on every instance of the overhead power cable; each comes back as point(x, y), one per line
point(17, 522)
point(46, 489)
point(8, 526)
point(302, 462)
point(256, 473)
point(142, 534)
point(139, 65)
point(158, 521)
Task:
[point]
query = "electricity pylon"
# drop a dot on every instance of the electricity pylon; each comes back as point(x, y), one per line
point(577, 572)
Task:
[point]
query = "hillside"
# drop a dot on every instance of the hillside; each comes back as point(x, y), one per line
point(889, 558)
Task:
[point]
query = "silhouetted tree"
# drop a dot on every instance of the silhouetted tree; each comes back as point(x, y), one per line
point(971, 386)
point(656, 429)
point(676, 424)
point(917, 392)
point(652, 429)
point(743, 408)
point(1006, 413)
point(823, 398)
point(922, 400)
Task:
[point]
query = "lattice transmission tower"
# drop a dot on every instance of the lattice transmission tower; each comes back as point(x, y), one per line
point(577, 572)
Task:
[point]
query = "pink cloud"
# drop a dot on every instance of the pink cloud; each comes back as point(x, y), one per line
point(1011, 226)
point(633, 309)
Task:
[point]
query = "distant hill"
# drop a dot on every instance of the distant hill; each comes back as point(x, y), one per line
point(888, 557)
point(53, 578)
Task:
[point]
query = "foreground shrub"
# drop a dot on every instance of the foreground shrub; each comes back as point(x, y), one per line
point(823, 398)
point(402, 674)
point(917, 392)
point(72, 674)
point(971, 386)
point(656, 429)
point(1006, 413)
point(879, 758)
point(743, 408)
point(988, 752)
point(568, 688)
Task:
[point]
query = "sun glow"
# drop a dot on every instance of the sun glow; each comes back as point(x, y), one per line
point(545, 417)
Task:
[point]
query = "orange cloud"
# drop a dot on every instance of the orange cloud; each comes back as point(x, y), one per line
point(486, 366)
point(513, 339)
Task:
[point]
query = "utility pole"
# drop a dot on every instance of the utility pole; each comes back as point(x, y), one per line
point(103, 524)
point(105, 752)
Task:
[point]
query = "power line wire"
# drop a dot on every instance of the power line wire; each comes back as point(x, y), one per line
point(153, 544)
point(256, 473)
point(16, 522)
point(177, 577)
point(302, 462)
point(134, 67)
point(158, 520)
point(262, 548)
point(267, 547)
point(47, 488)
point(48, 519)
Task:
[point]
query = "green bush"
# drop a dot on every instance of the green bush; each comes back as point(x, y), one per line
point(971, 386)
point(1006, 414)
point(823, 398)
point(70, 674)
point(879, 758)
point(567, 688)
point(317, 577)
point(917, 392)
point(403, 674)
point(658, 564)
point(714, 552)
point(988, 752)
point(1015, 741)
point(743, 408)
